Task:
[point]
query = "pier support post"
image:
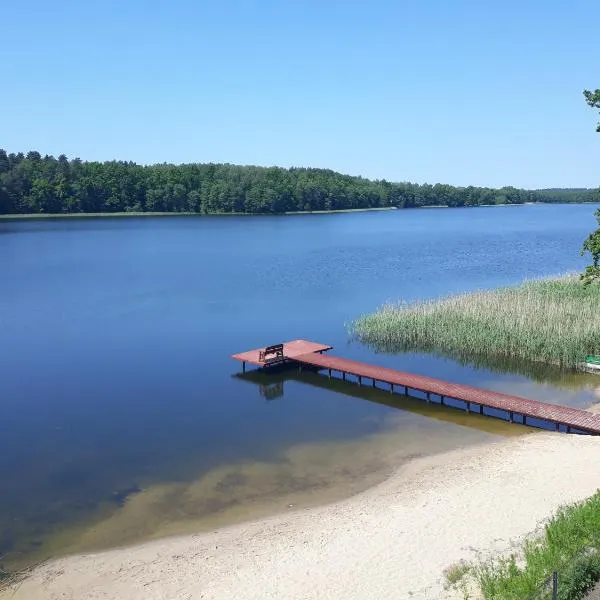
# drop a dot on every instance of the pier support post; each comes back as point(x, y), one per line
point(344, 375)
point(511, 417)
point(481, 409)
point(329, 373)
point(524, 419)
point(359, 380)
point(373, 383)
point(468, 406)
point(427, 397)
point(441, 399)
point(391, 388)
point(405, 391)
point(556, 425)
point(243, 366)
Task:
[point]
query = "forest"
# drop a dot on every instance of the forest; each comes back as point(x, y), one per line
point(31, 183)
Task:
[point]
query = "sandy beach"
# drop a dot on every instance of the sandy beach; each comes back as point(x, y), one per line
point(393, 541)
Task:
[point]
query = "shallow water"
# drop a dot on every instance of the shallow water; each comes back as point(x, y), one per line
point(116, 377)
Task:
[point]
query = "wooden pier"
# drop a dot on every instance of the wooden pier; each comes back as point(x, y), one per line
point(485, 402)
point(279, 353)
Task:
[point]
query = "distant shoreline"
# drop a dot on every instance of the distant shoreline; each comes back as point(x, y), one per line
point(119, 215)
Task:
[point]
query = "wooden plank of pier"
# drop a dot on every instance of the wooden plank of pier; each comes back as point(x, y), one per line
point(572, 418)
point(290, 351)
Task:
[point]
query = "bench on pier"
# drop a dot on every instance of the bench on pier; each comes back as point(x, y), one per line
point(271, 353)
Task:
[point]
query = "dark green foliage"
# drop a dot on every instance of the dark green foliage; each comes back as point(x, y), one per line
point(592, 245)
point(35, 184)
point(570, 545)
point(579, 577)
point(593, 99)
point(567, 195)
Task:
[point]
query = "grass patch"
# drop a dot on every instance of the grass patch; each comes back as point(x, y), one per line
point(455, 573)
point(552, 321)
point(570, 544)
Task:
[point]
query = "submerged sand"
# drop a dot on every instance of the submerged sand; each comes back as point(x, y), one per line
point(393, 541)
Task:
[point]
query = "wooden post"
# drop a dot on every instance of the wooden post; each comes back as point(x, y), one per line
point(373, 383)
point(524, 419)
point(511, 417)
point(243, 366)
point(359, 380)
point(391, 388)
point(441, 399)
point(468, 407)
point(427, 397)
point(556, 425)
point(405, 390)
point(329, 373)
point(344, 375)
point(481, 409)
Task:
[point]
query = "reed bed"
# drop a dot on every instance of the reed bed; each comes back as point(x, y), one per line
point(553, 321)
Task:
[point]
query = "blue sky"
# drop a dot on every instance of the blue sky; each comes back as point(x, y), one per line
point(463, 92)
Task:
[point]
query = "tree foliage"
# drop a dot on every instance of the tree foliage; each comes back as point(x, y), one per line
point(593, 99)
point(592, 243)
point(31, 183)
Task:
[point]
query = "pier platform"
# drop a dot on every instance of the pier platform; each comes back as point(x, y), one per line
point(486, 402)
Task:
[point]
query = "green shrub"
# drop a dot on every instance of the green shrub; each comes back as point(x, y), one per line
point(581, 575)
point(570, 544)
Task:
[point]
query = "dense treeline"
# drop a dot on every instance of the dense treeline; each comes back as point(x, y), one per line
point(568, 195)
point(34, 184)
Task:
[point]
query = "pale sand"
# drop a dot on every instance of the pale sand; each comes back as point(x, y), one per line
point(393, 541)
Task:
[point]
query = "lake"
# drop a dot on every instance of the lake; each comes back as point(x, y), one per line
point(123, 416)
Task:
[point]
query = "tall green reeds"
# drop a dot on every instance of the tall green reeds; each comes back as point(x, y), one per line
point(553, 321)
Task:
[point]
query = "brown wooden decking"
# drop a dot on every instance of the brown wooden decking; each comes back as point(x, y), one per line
point(290, 351)
point(311, 354)
point(572, 418)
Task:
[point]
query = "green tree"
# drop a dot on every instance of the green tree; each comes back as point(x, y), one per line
point(593, 99)
point(31, 183)
point(4, 162)
point(592, 243)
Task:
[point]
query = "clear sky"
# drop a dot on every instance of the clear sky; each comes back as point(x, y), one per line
point(466, 92)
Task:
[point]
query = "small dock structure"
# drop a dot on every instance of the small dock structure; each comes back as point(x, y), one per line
point(311, 355)
point(279, 353)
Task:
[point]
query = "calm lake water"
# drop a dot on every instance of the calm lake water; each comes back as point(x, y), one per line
point(121, 413)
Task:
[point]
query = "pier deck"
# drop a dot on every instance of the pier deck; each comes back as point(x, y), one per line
point(473, 399)
point(290, 351)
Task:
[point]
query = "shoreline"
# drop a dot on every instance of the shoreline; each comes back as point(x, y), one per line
point(117, 215)
point(394, 540)
point(120, 215)
point(305, 475)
